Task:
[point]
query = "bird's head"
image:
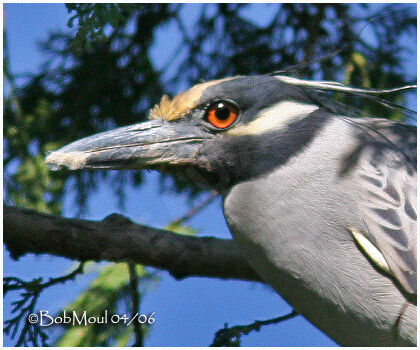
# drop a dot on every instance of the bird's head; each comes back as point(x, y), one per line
point(218, 132)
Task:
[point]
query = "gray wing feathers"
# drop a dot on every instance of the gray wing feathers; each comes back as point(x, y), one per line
point(389, 212)
point(388, 206)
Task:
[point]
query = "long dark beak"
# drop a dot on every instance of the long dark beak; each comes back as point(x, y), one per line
point(138, 146)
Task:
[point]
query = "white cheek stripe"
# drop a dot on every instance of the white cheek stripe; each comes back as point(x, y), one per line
point(274, 118)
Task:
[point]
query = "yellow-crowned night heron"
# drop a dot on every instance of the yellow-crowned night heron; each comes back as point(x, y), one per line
point(322, 205)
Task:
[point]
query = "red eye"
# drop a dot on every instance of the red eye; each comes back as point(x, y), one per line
point(222, 114)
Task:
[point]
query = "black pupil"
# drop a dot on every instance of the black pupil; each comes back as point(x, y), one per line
point(222, 111)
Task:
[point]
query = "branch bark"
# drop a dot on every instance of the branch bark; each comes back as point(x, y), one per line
point(116, 238)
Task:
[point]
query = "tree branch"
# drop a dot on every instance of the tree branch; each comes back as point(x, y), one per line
point(116, 238)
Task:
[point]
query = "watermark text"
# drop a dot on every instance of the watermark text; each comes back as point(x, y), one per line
point(43, 319)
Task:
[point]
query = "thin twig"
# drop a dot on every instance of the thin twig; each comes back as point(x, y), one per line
point(232, 336)
point(35, 285)
point(196, 209)
point(135, 298)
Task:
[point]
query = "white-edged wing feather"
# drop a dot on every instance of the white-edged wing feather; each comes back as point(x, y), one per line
point(389, 212)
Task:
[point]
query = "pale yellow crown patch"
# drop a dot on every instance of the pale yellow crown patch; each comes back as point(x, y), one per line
point(183, 103)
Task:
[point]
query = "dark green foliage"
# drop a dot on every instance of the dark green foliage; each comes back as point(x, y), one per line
point(94, 18)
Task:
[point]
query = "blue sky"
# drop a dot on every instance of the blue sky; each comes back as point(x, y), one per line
point(187, 312)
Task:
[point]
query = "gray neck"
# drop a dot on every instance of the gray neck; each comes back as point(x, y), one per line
point(276, 219)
